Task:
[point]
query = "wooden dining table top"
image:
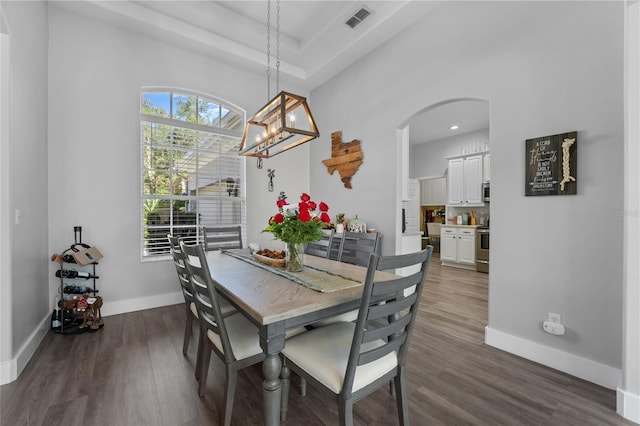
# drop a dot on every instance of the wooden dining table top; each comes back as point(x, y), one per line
point(267, 297)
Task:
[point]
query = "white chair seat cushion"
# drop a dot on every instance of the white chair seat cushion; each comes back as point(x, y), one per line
point(346, 317)
point(324, 352)
point(294, 332)
point(194, 310)
point(225, 307)
point(243, 335)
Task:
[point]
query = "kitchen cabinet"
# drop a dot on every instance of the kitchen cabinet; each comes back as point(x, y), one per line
point(456, 181)
point(433, 192)
point(467, 246)
point(448, 244)
point(473, 180)
point(465, 180)
point(458, 246)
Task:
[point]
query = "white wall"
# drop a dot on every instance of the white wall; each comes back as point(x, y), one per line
point(6, 350)
point(28, 307)
point(546, 68)
point(95, 75)
point(628, 400)
point(428, 160)
point(291, 176)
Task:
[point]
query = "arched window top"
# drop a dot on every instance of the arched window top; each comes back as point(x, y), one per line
point(189, 107)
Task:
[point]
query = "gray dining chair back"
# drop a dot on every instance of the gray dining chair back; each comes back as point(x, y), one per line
point(334, 248)
point(222, 237)
point(189, 298)
point(185, 286)
point(233, 338)
point(206, 296)
point(350, 361)
point(321, 248)
point(356, 247)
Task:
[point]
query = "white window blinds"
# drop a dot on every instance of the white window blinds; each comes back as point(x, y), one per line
point(192, 175)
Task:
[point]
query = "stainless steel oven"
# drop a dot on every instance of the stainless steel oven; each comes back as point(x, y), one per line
point(486, 192)
point(482, 249)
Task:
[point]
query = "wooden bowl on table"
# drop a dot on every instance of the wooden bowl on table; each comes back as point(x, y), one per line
point(270, 257)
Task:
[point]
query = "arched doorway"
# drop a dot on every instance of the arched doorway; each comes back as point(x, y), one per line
point(444, 129)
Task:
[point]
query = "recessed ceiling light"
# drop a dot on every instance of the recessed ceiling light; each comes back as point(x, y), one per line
point(454, 127)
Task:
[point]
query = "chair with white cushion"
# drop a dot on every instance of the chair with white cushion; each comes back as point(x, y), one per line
point(349, 361)
point(189, 298)
point(234, 339)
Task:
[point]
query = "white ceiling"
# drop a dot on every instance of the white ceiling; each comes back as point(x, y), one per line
point(435, 123)
point(315, 42)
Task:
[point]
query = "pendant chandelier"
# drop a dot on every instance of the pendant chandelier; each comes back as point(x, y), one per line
point(285, 121)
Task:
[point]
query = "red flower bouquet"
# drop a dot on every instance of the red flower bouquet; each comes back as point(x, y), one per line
point(301, 223)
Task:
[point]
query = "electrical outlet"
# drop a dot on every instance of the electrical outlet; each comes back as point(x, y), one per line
point(556, 318)
point(553, 328)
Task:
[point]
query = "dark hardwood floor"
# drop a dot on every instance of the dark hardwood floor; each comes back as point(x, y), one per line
point(133, 373)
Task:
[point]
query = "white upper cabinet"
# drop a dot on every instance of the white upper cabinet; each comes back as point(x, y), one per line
point(465, 180)
point(473, 180)
point(456, 181)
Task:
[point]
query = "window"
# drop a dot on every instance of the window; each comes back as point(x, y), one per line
point(191, 173)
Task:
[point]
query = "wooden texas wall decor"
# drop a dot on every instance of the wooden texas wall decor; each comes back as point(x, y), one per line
point(346, 157)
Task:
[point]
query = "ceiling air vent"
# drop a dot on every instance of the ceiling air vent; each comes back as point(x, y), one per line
point(358, 17)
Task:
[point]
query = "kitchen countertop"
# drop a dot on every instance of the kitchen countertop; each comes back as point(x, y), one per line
point(461, 226)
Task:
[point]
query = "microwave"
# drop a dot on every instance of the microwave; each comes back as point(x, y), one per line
point(486, 189)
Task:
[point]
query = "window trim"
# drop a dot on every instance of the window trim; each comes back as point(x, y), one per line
point(192, 126)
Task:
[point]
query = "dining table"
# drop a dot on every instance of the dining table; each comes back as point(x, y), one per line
point(278, 301)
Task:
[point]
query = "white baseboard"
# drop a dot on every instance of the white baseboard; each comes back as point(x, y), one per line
point(628, 405)
point(10, 370)
point(583, 368)
point(141, 303)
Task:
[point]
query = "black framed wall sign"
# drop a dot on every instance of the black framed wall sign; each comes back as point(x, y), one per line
point(551, 165)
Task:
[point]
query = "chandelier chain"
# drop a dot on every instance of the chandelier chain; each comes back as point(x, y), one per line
point(268, 50)
point(277, 46)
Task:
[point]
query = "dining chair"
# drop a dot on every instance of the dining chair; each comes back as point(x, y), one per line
point(189, 298)
point(350, 361)
point(321, 248)
point(334, 248)
point(355, 247)
point(234, 339)
point(222, 237)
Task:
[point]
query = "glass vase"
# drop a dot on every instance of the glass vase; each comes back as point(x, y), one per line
point(295, 257)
